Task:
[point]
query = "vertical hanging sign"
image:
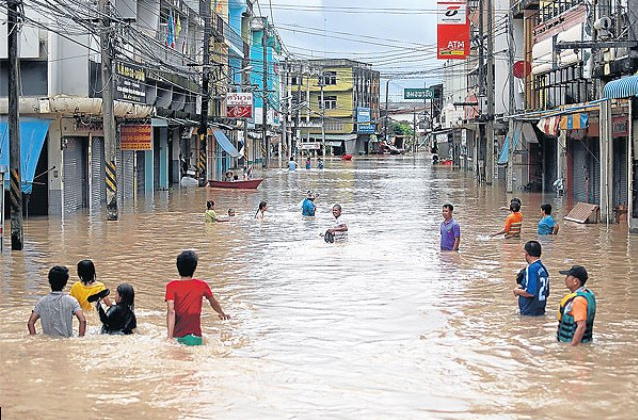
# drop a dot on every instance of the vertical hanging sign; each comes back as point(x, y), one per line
point(453, 31)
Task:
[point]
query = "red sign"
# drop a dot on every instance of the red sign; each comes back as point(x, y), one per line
point(136, 137)
point(522, 69)
point(453, 31)
point(239, 105)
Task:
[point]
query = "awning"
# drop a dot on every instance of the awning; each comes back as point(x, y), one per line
point(33, 131)
point(622, 88)
point(549, 125)
point(337, 137)
point(578, 121)
point(223, 141)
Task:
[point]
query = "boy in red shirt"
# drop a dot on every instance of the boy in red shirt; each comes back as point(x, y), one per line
point(184, 302)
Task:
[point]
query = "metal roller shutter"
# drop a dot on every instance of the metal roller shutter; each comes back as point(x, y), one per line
point(594, 171)
point(156, 165)
point(74, 175)
point(579, 171)
point(98, 182)
point(620, 194)
point(125, 174)
point(141, 179)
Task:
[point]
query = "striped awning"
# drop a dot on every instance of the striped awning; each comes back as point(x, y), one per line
point(549, 125)
point(622, 88)
point(578, 121)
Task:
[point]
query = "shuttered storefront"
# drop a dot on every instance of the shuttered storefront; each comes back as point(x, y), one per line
point(98, 182)
point(141, 167)
point(586, 170)
point(156, 164)
point(620, 194)
point(125, 174)
point(75, 174)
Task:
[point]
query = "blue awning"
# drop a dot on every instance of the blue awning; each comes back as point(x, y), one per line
point(622, 88)
point(33, 131)
point(223, 141)
point(504, 156)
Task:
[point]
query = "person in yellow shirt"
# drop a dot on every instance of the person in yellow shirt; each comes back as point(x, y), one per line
point(87, 285)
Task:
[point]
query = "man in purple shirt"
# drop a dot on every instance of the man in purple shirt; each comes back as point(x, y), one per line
point(450, 230)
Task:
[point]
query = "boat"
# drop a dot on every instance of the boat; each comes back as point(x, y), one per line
point(249, 184)
point(346, 157)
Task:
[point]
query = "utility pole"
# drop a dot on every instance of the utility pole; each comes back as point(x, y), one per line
point(14, 127)
point(107, 111)
point(387, 86)
point(414, 132)
point(264, 107)
point(284, 106)
point(322, 109)
point(203, 120)
point(480, 144)
point(489, 126)
point(299, 102)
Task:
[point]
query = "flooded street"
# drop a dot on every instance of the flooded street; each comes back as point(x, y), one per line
point(382, 326)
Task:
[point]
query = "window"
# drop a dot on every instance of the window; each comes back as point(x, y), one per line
point(329, 102)
point(295, 80)
point(329, 78)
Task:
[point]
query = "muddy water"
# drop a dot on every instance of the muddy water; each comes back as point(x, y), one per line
point(384, 326)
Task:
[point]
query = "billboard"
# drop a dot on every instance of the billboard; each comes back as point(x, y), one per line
point(239, 105)
point(136, 137)
point(363, 115)
point(453, 31)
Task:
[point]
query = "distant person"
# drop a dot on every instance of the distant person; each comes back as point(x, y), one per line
point(235, 177)
point(56, 309)
point(513, 222)
point(184, 302)
point(210, 215)
point(319, 163)
point(228, 176)
point(534, 289)
point(119, 319)
point(87, 285)
point(308, 163)
point(513, 200)
point(231, 213)
point(292, 165)
point(547, 225)
point(339, 231)
point(308, 207)
point(450, 230)
point(577, 309)
point(261, 211)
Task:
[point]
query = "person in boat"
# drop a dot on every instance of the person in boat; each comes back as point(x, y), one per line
point(340, 229)
point(119, 319)
point(308, 207)
point(261, 211)
point(228, 176)
point(534, 289)
point(292, 165)
point(513, 222)
point(577, 309)
point(236, 178)
point(210, 215)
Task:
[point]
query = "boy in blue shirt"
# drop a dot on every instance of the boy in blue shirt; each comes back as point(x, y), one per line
point(547, 225)
point(534, 290)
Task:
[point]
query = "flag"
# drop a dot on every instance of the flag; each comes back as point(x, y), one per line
point(170, 28)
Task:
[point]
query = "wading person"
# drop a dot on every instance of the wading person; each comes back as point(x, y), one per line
point(56, 309)
point(261, 211)
point(319, 163)
point(308, 163)
point(119, 319)
point(450, 230)
point(292, 165)
point(513, 222)
point(547, 225)
point(184, 302)
point(339, 231)
point(210, 215)
point(308, 207)
point(87, 285)
point(534, 290)
point(577, 309)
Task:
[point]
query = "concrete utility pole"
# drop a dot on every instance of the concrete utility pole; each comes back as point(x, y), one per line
point(322, 109)
point(202, 162)
point(107, 111)
point(14, 126)
point(414, 131)
point(284, 106)
point(387, 86)
point(480, 144)
point(264, 107)
point(489, 126)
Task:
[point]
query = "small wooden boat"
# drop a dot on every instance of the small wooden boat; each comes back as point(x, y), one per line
point(346, 157)
point(249, 184)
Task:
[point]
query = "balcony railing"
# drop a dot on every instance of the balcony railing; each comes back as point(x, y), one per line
point(556, 8)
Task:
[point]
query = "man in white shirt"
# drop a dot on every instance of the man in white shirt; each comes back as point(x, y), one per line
point(340, 229)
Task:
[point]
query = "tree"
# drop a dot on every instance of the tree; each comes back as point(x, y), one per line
point(402, 128)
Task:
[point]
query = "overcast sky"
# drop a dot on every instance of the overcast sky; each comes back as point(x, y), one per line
point(397, 36)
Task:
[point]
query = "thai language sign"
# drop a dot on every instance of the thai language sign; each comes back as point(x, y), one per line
point(239, 105)
point(136, 137)
point(418, 93)
point(453, 31)
point(130, 83)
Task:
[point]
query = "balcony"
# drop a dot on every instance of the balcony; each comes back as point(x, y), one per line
point(233, 39)
point(519, 7)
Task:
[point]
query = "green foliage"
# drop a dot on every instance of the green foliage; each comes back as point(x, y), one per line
point(402, 128)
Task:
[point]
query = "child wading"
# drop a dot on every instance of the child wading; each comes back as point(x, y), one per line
point(119, 318)
point(184, 302)
point(88, 285)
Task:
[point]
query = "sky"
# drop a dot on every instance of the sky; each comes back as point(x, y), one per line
point(397, 37)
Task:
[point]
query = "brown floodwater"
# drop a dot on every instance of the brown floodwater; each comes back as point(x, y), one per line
point(382, 326)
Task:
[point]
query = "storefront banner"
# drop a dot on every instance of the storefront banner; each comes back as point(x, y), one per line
point(239, 105)
point(579, 121)
point(136, 137)
point(453, 31)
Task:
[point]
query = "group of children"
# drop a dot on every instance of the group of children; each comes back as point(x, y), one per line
point(183, 303)
point(56, 310)
point(514, 221)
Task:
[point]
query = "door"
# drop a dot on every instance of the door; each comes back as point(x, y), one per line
point(98, 182)
point(75, 174)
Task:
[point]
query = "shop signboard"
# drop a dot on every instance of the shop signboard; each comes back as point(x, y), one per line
point(239, 105)
point(130, 82)
point(136, 137)
point(366, 128)
point(453, 31)
point(363, 115)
